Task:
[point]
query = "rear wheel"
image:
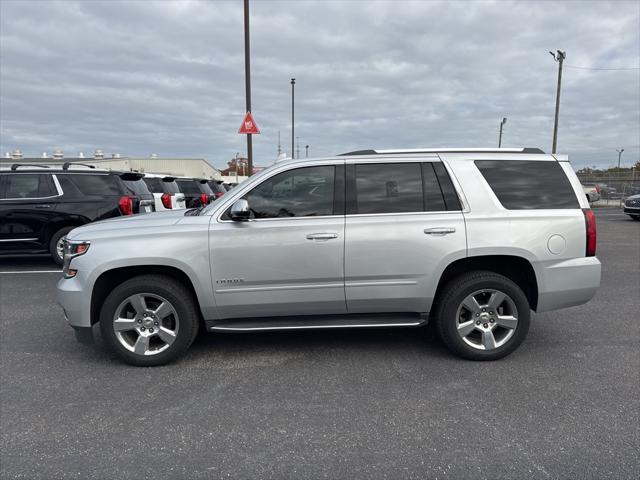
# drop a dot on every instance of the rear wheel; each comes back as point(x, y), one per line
point(56, 244)
point(149, 320)
point(482, 316)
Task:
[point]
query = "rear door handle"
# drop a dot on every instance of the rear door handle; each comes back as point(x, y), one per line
point(439, 231)
point(44, 205)
point(322, 236)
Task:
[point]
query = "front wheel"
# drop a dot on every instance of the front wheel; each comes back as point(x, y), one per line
point(149, 320)
point(482, 316)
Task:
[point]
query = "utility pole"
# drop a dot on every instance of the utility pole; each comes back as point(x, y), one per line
point(558, 57)
point(293, 86)
point(504, 120)
point(619, 155)
point(279, 146)
point(247, 80)
point(306, 151)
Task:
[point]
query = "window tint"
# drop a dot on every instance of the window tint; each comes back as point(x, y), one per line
point(524, 185)
point(205, 188)
point(388, 188)
point(154, 184)
point(301, 192)
point(433, 199)
point(28, 186)
point(188, 186)
point(136, 187)
point(94, 184)
point(170, 186)
point(448, 192)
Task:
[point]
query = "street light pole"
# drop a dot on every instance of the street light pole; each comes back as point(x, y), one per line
point(504, 120)
point(247, 80)
point(306, 151)
point(558, 57)
point(619, 155)
point(293, 129)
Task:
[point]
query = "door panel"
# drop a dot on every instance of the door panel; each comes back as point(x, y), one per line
point(392, 265)
point(270, 268)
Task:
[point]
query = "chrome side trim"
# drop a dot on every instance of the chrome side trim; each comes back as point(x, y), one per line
point(314, 327)
point(18, 240)
point(384, 283)
point(279, 288)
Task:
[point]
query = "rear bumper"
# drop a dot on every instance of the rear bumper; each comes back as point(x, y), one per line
point(567, 283)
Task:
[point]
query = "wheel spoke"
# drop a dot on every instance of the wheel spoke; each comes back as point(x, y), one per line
point(466, 328)
point(142, 345)
point(496, 300)
point(488, 340)
point(167, 336)
point(124, 324)
point(138, 303)
point(164, 310)
point(507, 321)
point(471, 304)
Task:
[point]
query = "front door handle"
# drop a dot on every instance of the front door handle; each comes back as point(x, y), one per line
point(322, 236)
point(439, 231)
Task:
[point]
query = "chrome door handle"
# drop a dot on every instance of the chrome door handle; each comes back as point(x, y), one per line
point(321, 236)
point(439, 230)
point(44, 205)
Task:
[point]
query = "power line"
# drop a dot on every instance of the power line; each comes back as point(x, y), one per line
point(597, 68)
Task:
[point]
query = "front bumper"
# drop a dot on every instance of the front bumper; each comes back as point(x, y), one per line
point(75, 301)
point(631, 210)
point(567, 283)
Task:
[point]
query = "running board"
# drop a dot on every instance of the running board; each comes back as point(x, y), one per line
point(318, 322)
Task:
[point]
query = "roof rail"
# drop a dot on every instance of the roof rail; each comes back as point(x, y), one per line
point(444, 150)
point(66, 165)
point(15, 166)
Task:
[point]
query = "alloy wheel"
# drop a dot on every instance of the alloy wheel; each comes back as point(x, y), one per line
point(487, 319)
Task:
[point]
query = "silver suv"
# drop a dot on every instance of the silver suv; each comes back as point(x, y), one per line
point(471, 240)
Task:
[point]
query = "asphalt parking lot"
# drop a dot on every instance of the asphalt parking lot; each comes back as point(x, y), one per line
point(358, 404)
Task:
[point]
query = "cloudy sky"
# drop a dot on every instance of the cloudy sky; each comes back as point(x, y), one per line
point(165, 77)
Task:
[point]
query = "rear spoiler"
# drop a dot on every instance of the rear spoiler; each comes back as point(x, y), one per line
point(131, 176)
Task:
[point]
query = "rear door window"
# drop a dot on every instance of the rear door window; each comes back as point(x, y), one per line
point(528, 185)
point(388, 188)
point(28, 185)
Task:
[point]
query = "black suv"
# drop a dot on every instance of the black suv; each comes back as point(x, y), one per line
point(217, 188)
point(197, 192)
point(39, 205)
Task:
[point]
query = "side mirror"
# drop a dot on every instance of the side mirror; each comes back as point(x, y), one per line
point(240, 211)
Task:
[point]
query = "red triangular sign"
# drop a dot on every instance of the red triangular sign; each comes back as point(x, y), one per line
point(248, 125)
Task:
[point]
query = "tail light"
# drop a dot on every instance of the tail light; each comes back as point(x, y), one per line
point(126, 205)
point(590, 223)
point(204, 198)
point(166, 200)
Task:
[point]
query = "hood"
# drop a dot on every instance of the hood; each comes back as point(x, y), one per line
point(145, 220)
point(633, 197)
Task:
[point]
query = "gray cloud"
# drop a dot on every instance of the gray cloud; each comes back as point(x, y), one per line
point(168, 77)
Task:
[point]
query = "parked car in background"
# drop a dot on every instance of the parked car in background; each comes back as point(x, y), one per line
point(197, 192)
point(632, 206)
point(39, 205)
point(165, 191)
point(470, 240)
point(592, 191)
point(217, 188)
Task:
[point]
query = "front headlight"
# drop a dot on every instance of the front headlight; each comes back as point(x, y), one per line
point(72, 249)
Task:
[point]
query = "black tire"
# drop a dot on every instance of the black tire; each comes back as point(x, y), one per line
point(180, 298)
point(452, 296)
point(53, 243)
point(635, 217)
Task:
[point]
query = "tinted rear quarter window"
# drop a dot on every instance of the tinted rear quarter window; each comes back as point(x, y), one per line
point(205, 188)
point(170, 186)
point(136, 187)
point(528, 185)
point(89, 184)
point(154, 184)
